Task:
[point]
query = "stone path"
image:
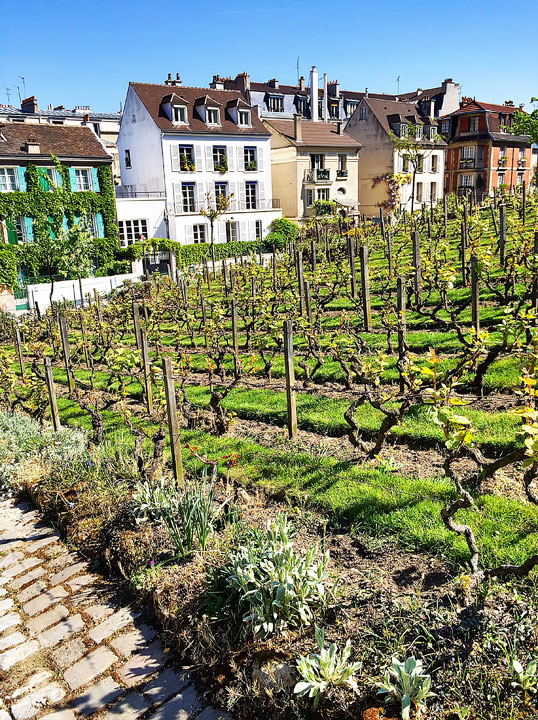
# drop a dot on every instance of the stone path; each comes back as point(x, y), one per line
point(69, 647)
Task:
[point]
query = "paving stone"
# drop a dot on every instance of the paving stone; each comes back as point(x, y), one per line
point(211, 714)
point(59, 632)
point(11, 558)
point(45, 600)
point(11, 657)
point(133, 640)
point(41, 543)
point(67, 572)
point(39, 623)
point(21, 567)
point(60, 715)
point(9, 621)
point(131, 707)
point(61, 560)
point(31, 591)
point(69, 653)
point(113, 623)
point(5, 605)
point(180, 707)
point(85, 670)
point(165, 685)
point(23, 580)
point(36, 701)
point(3, 592)
point(97, 612)
point(81, 582)
point(32, 682)
point(97, 696)
point(4, 715)
point(141, 665)
point(7, 641)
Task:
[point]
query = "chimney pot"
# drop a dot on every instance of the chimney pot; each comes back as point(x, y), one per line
point(340, 127)
point(302, 87)
point(29, 105)
point(366, 92)
point(297, 127)
point(314, 94)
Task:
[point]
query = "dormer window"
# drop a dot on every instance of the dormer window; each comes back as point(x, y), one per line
point(213, 116)
point(404, 130)
point(275, 103)
point(300, 104)
point(243, 118)
point(418, 132)
point(179, 114)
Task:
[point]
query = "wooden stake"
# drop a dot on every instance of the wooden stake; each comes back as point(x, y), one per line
point(136, 323)
point(417, 271)
point(67, 354)
point(290, 379)
point(300, 281)
point(352, 266)
point(49, 379)
point(313, 258)
point(502, 233)
point(84, 337)
point(235, 337)
point(18, 343)
point(402, 327)
point(148, 391)
point(475, 295)
point(365, 287)
point(389, 254)
point(308, 302)
point(173, 423)
point(463, 253)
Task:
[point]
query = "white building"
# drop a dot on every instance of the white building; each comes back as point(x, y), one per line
point(180, 147)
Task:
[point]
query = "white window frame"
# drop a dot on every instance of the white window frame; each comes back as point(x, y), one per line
point(219, 151)
point(445, 127)
point(78, 176)
point(232, 230)
point(364, 113)
point(258, 230)
point(251, 195)
point(128, 159)
point(419, 192)
point(473, 124)
point(501, 177)
point(323, 194)
point(199, 233)
point(250, 154)
point(130, 231)
point(433, 191)
point(208, 113)
point(243, 118)
point(221, 188)
point(468, 152)
point(6, 185)
point(186, 197)
point(466, 181)
point(520, 178)
point(179, 115)
point(435, 163)
point(275, 100)
point(309, 200)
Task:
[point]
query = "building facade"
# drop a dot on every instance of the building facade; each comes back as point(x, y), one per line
point(482, 154)
point(313, 161)
point(180, 149)
point(374, 124)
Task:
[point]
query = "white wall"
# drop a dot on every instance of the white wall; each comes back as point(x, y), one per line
point(153, 210)
point(70, 289)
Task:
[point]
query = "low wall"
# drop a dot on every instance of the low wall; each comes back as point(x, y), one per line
point(7, 300)
point(70, 289)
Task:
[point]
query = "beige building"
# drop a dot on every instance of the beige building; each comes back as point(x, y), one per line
point(313, 161)
point(373, 123)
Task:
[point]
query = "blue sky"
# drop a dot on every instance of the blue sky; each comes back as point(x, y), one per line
point(85, 53)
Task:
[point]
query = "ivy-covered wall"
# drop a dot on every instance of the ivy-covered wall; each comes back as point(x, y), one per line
point(47, 207)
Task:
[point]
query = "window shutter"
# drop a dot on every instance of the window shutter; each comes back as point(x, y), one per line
point(178, 208)
point(65, 225)
point(43, 179)
point(198, 158)
point(209, 159)
point(28, 230)
point(242, 196)
point(200, 195)
point(58, 178)
point(240, 157)
point(261, 196)
point(174, 155)
point(259, 157)
point(22, 178)
point(100, 225)
point(73, 179)
point(251, 230)
point(232, 190)
point(189, 234)
point(95, 181)
point(231, 158)
point(243, 231)
point(220, 232)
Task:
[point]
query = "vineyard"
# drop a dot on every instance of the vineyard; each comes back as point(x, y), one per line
point(336, 442)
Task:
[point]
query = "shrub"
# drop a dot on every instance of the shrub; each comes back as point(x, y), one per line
point(271, 585)
point(276, 240)
point(68, 448)
point(115, 267)
point(20, 436)
point(285, 228)
point(8, 267)
point(188, 254)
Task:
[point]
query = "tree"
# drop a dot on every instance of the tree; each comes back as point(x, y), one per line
point(213, 209)
point(410, 144)
point(526, 123)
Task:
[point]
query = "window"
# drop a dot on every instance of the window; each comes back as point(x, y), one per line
point(322, 194)
point(300, 104)
point(433, 191)
point(404, 130)
point(405, 164)
point(275, 103)
point(317, 161)
point(351, 107)
point(419, 192)
point(83, 179)
point(364, 113)
point(333, 110)
point(250, 158)
point(522, 153)
point(231, 231)
point(179, 114)
point(445, 127)
point(250, 194)
point(418, 132)
point(309, 198)
point(520, 178)
point(258, 229)
point(243, 117)
point(132, 230)
point(473, 124)
point(8, 180)
point(187, 196)
point(466, 181)
point(220, 160)
point(49, 177)
point(435, 163)
point(467, 152)
point(420, 163)
point(501, 177)
point(128, 159)
point(221, 189)
point(342, 164)
point(186, 158)
point(213, 116)
point(199, 233)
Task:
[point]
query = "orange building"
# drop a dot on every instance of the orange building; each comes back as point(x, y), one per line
point(482, 153)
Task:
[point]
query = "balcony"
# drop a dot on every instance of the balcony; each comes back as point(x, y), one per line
point(123, 192)
point(467, 164)
point(341, 174)
point(503, 161)
point(521, 163)
point(317, 176)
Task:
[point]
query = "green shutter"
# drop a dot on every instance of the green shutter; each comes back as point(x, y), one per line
point(59, 178)
point(28, 229)
point(11, 233)
point(65, 224)
point(73, 179)
point(22, 179)
point(95, 180)
point(43, 179)
point(100, 225)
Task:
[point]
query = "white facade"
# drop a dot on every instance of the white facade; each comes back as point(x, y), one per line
point(429, 180)
point(155, 180)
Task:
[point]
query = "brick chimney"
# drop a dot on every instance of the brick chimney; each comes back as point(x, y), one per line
point(32, 147)
point(334, 88)
point(340, 127)
point(297, 127)
point(509, 103)
point(273, 82)
point(169, 80)
point(217, 83)
point(29, 105)
point(243, 81)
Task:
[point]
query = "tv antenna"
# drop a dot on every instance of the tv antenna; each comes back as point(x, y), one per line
point(398, 81)
point(19, 91)
point(297, 69)
point(23, 84)
point(8, 93)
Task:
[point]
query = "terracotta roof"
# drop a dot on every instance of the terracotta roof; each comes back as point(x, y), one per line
point(282, 89)
point(392, 111)
point(152, 96)
point(476, 106)
point(421, 95)
point(61, 140)
point(315, 134)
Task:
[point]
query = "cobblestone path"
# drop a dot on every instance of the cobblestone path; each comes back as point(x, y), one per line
point(69, 647)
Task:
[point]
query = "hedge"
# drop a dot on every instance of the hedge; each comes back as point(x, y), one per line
point(189, 254)
point(8, 268)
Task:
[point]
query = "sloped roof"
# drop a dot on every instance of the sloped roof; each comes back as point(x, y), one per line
point(421, 95)
point(151, 95)
point(315, 134)
point(61, 140)
point(476, 106)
